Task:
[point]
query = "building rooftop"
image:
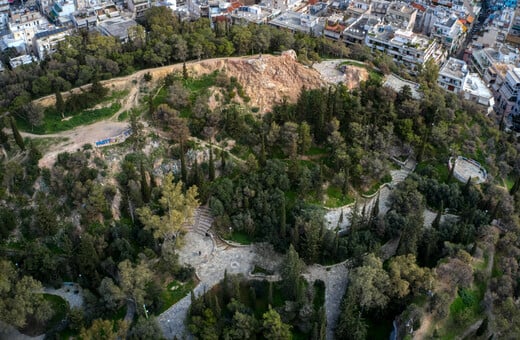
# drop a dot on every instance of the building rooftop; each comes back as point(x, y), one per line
point(476, 86)
point(298, 22)
point(454, 68)
point(48, 33)
point(117, 27)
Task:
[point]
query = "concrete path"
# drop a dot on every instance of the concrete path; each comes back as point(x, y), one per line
point(335, 279)
point(211, 259)
point(67, 292)
point(333, 216)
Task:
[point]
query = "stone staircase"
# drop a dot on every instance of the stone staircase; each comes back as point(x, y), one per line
point(202, 221)
point(398, 176)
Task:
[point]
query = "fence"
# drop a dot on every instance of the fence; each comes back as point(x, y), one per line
point(114, 140)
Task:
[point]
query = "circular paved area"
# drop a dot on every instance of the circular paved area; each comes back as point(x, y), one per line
point(466, 168)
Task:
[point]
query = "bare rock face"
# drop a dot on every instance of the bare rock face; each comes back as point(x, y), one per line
point(266, 79)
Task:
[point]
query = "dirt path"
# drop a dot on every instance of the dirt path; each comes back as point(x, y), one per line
point(77, 138)
point(424, 329)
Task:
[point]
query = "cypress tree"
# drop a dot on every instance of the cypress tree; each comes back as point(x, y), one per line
point(216, 307)
point(437, 221)
point(184, 171)
point(211, 165)
point(145, 188)
point(252, 296)
point(450, 174)
point(184, 71)
point(222, 161)
point(465, 190)
point(515, 187)
point(375, 207)
point(16, 134)
point(195, 174)
point(60, 104)
point(283, 217)
point(483, 327)
point(262, 158)
point(270, 294)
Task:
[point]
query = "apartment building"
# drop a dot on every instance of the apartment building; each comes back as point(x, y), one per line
point(452, 75)
point(25, 24)
point(507, 96)
point(46, 42)
point(405, 47)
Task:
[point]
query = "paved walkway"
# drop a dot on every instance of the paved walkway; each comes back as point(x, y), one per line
point(214, 259)
point(335, 279)
point(333, 216)
point(68, 293)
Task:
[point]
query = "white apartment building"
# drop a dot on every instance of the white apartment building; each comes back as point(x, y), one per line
point(450, 32)
point(4, 14)
point(452, 75)
point(138, 7)
point(476, 91)
point(25, 25)
point(405, 47)
point(46, 42)
point(507, 96)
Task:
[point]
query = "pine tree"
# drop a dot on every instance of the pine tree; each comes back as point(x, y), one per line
point(211, 165)
point(16, 134)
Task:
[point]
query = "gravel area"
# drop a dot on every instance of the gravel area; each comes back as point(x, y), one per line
point(210, 267)
point(67, 292)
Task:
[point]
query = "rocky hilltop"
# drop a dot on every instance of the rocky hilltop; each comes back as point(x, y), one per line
point(266, 79)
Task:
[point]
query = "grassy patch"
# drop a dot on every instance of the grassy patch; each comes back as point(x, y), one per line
point(373, 189)
point(436, 170)
point(508, 182)
point(160, 98)
point(201, 83)
point(175, 291)
point(53, 122)
point(354, 63)
point(464, 310)
point(260, 270)
point(319, 295)
point(314, 151)
point(336, 199)
point(123, 116)
point(241, 237)
point(60, 308)
point(119, 314)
